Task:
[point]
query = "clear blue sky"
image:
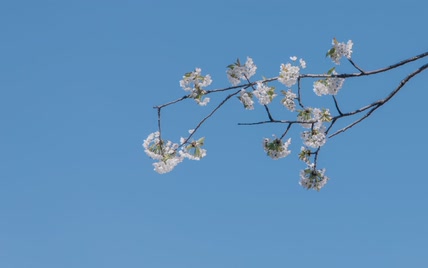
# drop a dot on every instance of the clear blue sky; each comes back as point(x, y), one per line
point(78, 80)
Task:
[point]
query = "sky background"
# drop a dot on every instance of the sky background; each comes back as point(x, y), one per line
point(78, 80)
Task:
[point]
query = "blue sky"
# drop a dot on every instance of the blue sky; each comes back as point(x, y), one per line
point(78, 82)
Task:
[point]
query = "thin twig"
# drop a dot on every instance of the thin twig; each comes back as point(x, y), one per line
point(337, 105)
point(356, 67)
point(285, 132)
point(172, 102)
point(299, 99)
point(331, 125)
point(268, 113)
point(208, 116)
point(276, 121)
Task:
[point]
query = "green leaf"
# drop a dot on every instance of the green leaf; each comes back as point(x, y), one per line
point(331, 71)
point(330, 52)
point(201, 141)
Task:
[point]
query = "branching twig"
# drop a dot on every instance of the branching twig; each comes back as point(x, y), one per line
point(314, 119)
point(379, 103)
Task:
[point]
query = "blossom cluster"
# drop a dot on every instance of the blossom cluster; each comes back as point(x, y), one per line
point(310, 178)
point(164, 152)
point(314, 137)
point(167, 153)
point(288, 100)
point(340, 50)
point(195, 82)
point(304, 154)
point(236, 72)
point(193, 151)
point(247, 99)
point(275, 148)
point(313, 117)
point(289, 74)
point(264, 93)
point(328, 86)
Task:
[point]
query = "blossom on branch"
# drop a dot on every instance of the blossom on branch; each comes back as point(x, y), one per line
point(310, 178)
point(236, 72)
point(314, 137)
point(247, 99)
point(288, 74)
point(304, 154)
point(167, 165)
point(340, 50)
point(314, 117)
point(276, 149)
point(328, 86)
point(305, 116)
point(193, 151)
point(195, 82)
point(264, 93)
point(288, 100)
point(321, 115)
point(164, 152)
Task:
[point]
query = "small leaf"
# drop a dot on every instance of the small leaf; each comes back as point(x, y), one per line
point(331, 71)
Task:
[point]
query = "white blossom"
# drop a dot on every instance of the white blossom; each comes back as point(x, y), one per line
point(194, 82)
point(164, 152)
point(250, 68)
point(328, 86)
point(313, 179)
point(246, 99)
point(236, 72)
point(193, 151)
point(293, 58)
point(314, 137)
point(264, 93)
point(314, 116)
point(288, 74)
point(304, 154)
point(167, 165)
point(321, 115)
point(320, 87)
point(234, 75)
point(302, 63)
point(275, 148)
point(288, 100)
point(152, 146)
point(202, 102)
point(340, 50)
point(305, 116)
